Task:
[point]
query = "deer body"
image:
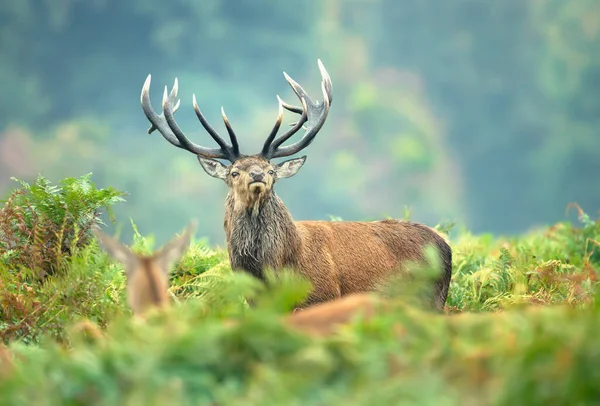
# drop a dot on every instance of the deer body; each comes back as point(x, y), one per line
point(339, 258)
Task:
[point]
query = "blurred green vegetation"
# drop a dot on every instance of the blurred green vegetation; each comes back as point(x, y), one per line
point(470, 111)
point(520, 326)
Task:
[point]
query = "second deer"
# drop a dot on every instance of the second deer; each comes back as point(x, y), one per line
point(147, 275)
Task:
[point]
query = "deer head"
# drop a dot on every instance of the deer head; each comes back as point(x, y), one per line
point(249, 177)
point(147, 275)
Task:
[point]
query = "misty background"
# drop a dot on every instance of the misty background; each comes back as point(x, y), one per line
point(483, 113)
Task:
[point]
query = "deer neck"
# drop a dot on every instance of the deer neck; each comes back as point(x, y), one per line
point(260, 236)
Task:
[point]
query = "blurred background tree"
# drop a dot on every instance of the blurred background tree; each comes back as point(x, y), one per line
point(464, 110)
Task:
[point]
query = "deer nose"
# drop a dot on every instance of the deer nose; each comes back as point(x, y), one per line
point(257, 175)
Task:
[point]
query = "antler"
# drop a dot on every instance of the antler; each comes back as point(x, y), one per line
point(166, 125)
point(313, 114)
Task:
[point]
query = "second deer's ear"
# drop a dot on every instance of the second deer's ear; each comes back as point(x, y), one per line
point(213, 167)
point(289, 168)
point(116, 250)
point(174, 249)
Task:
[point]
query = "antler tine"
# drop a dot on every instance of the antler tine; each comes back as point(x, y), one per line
point(271, 137)
point(291, 107)
point(326, 84)
point(168, 112)
point(235, 147)
point(172, 99)
point(209, 129)
point(313, 113)
point(157, 121)
point(300, 92)
point(295, 128)
point(166, 125)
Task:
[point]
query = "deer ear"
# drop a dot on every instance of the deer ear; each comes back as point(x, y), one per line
point(213, 167)
point(289, 168)
point(174, 249)
point(116, 250)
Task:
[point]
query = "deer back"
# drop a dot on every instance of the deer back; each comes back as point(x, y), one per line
point(323, 319)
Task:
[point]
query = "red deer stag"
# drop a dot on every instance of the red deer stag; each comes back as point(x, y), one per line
point(338, 258)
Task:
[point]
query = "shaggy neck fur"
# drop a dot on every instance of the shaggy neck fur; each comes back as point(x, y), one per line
point(260, 233)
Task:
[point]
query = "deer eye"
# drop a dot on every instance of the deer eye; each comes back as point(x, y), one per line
point(271, 172)
point(234, 174)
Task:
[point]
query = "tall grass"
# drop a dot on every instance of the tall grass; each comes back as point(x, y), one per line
point(520, 327)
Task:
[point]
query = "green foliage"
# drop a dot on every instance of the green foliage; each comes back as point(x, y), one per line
point(87, 288)
point(91, 287)
point(549, 266)
point(41, 224)
point(48, 275)
point(72, 340)
point(188, 355)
